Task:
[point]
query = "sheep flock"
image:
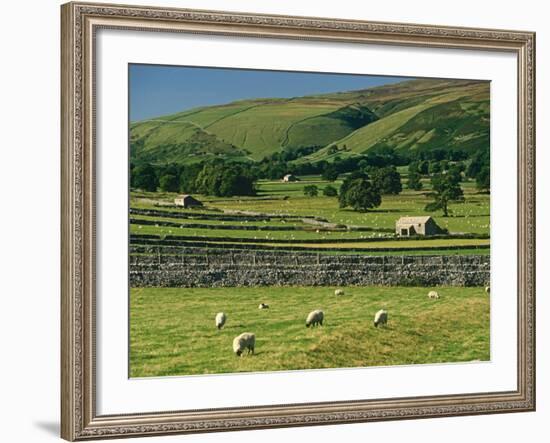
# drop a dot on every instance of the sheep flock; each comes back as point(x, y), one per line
point(246, 341)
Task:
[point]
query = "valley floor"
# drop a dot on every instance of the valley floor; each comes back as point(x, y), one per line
point(282, 217)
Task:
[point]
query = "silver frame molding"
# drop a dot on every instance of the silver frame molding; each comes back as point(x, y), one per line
point(79, 22)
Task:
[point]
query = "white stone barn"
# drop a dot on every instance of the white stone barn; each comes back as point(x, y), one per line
point(187, 201)
point(409, 226)
point(290, 178)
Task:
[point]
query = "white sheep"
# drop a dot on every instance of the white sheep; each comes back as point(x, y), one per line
point(433, 294)
point(263, 306)
point(339, 292)
point(381, 318)
point(487, 289)
point(220, 319)
point(245, 341)
point(315, 318)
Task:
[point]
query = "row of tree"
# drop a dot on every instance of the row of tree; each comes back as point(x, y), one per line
point(368, 177)
point(215, 178)
point(278, 164)
point(424, 163)
point(477, 167)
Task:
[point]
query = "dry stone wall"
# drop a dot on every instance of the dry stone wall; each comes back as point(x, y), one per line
point(265, 268)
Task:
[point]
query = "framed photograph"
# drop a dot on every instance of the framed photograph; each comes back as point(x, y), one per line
point(275, 221)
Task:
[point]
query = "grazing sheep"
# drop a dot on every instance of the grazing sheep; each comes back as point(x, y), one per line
point(381, 318)
point(433, 294)
point(315, 318)
point(246, 340)
point(220, 320)
point(339, 292)
point(487, 289)
point(263, 306)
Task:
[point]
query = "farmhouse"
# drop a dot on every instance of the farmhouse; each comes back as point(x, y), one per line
point(187, 201)
point(290, 178)
point(408, 226)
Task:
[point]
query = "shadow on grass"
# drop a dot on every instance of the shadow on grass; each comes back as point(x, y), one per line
point(384, 211)
point(467, 216)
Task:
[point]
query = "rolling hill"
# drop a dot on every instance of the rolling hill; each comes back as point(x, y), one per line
point(416, 114)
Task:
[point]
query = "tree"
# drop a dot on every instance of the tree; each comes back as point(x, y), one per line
point(459, 166)
point(209, 179)
point(330, 173)
point(188, 176)
point(311, 190)
point(330, 191)
point(414, 166)
point(483, 179)
point(359, 193)
point(455, 172)
point(224, 180)
point(480, 159)
point(234, 182)
point(349, 179)
point(144, 177)
point(363, 164)
point(388, 180)
point(445, 189)
point(457, 155)
point(438, 154)
point(434, 168)
point(169, 183)
point(423, 167)
point(414, 181)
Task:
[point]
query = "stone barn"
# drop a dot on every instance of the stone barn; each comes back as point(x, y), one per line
point(409, 226)
point(290, 178)
point(187, 201)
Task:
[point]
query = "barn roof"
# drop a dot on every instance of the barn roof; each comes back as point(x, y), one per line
point(186, 197)
point(413, 220)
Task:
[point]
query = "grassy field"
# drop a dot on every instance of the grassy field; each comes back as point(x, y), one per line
point(471, 216)
point(172, 331)
point(279, 199)
point(391, 244)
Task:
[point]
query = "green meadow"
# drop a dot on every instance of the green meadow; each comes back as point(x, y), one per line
point(373, 229)
point(172, 330)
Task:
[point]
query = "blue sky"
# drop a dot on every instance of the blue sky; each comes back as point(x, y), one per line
point(159, 90)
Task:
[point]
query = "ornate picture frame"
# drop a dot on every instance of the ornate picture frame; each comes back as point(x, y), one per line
point(80, 22)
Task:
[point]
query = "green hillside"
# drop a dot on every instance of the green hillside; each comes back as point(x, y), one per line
point(418, 114)
point(316, 131)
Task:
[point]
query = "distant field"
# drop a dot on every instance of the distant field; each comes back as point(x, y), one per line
point(393, 244)
point(307, 239)
point(279, 199)
point(172, 331)
point(395, 252)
